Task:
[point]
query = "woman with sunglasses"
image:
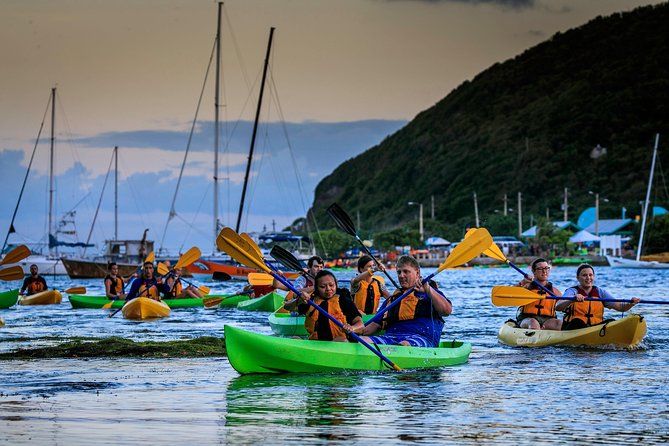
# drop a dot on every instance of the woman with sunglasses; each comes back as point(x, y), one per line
point(540, 314)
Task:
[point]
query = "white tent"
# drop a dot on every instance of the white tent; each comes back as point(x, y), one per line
point(583, 236)
point(437, 241)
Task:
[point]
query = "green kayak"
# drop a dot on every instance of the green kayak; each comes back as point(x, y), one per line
point(81, 301)
point(255, 353)
point(269, 302)
point(284, 324)
point(9, 298)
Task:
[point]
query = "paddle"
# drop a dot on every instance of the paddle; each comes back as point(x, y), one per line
point(76, 290)
point(12, 273)
point(240, 249)
point(164, 270)
point(286, 258)
point(15, 255)
point(210, 302)
point(345, 223)
point(221, 276)
point(466, 250)
point(514, 296)
point(260, 279)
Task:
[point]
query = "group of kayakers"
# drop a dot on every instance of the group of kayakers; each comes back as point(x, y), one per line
point(582, 306)
point(417, 320)
point(146, 284)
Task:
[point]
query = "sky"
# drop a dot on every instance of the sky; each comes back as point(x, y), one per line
point(343, 76)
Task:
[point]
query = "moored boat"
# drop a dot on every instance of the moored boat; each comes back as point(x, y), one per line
point(255, 353)
point(626, 332)
point(87, 301)
point(269, 302)
point(48, 297)
point(285, 324)
point(9, 298)
point(142, 308)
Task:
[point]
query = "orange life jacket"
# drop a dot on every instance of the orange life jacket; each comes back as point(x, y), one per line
point(150, 291)
point(591, 312)
point(541, 307)
point(415, 305)
point(176, 289)
point(368, 296)
point(313, 316)
point(116, 285)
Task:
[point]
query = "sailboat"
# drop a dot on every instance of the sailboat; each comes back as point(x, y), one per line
point(50, 263)
point(620, 262)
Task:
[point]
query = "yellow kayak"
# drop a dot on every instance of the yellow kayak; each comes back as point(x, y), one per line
point(142, 308)
point(48, 297)
point(626, 332)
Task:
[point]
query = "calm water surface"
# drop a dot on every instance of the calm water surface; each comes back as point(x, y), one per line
point(502, 396)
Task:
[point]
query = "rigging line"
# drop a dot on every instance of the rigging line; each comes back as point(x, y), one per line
point(191, 225)
point(664, 183)
point(95, 217)
point(173, 212)
point(297, 176)
point(25, 178)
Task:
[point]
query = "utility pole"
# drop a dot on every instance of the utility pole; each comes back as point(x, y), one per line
point(432, 198)
point(506, 205)
point(520, 215)
point(565, 206)
point(476, 211)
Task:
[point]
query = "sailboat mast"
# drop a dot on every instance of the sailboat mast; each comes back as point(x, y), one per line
point(115, 192)
point(255, 130)
point(645, 205)
point(53, 124)
point(216, 118)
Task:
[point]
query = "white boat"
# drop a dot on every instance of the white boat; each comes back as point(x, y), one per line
point(46, 265)
point(620, 262)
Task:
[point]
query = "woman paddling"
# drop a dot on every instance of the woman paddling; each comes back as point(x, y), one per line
point(580, 313)
point(540, 314)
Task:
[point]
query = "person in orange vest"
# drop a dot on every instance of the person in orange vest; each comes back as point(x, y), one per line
point(34, 283)
point(177, 289)
point(367, 288)
point(334, 300)
point(147, 285)
point(580, 313)
point(540, 314)
point(115, 284)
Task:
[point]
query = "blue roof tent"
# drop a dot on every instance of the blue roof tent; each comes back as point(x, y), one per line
point(532, 232)
point(608, 227)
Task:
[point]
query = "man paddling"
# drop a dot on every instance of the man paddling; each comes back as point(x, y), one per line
point(147, 285)
point(418, 319)
point(34, 283)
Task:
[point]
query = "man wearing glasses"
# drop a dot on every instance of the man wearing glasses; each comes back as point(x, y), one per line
point(540, 314)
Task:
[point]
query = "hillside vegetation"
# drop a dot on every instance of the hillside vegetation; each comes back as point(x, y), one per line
point(527, 125)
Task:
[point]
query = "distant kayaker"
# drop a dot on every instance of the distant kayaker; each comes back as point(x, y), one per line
point(114, 284)
point(580, 313)
point(540, 314)
point(418, 319)
point(327, 296)
point(147, 285)
point(367, 288)
point(34, 283)
point(177, 290)
point(305, 282)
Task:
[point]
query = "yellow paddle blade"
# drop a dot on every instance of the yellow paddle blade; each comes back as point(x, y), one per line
point(260, 279)
point(492, 251)
point(108, 305)
point(210, 302)
point(513, 296)
point(239, 249)
point(76, 290)
point(478, 241)
point(163, 269)
point(16, 255)
point(250, 241)
point(188, 257)
point(151, 257)
point(204, 290)
point(12, 273)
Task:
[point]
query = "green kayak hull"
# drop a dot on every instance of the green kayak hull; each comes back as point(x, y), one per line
point(269, 302)
point(255, 353)
point(9, 298)
point(85, 301)
point(284, 324)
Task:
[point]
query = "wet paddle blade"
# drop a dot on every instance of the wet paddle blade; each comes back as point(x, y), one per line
point(204, 290)
point(163, 269)
point(188, 257)
point(342, 219)
point(473, 245)
point(512, 296)
point(260, 279)
point(12, 273)
point(151, 257)
point(76, 290)
point(252, 243)
point(15, 255)
point(108, 305)
point(210, 302)
point(286, 258)
point(221, 276)
point(239, 249)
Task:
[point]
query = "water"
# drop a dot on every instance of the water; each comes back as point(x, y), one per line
point(502, 396)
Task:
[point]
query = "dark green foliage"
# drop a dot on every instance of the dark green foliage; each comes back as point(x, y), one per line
point(529, 125)
point(657, 235)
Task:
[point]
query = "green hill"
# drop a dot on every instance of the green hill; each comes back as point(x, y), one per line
point(527, 125)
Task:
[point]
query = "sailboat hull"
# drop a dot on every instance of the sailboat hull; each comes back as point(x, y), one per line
point(619, 262)
point(46, 265)
point(89, 269)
